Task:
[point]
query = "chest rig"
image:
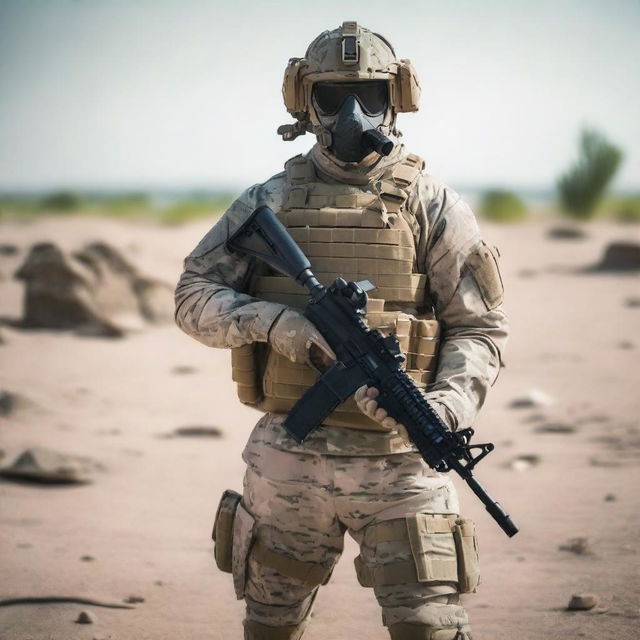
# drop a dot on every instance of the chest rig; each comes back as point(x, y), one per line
point(358, 233)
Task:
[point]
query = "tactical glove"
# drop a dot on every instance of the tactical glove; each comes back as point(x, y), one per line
point(296, 338)
point(365, 398)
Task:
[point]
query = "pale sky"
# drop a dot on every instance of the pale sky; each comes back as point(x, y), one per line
point(186, 93)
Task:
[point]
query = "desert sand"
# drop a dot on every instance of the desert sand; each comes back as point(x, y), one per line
point(567, 468)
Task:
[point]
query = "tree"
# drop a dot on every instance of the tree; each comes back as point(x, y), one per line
point(581, 188)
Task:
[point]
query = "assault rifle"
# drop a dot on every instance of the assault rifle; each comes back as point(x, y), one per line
point(363, 357)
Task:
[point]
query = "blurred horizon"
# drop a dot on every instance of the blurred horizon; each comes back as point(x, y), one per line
point(180, 96)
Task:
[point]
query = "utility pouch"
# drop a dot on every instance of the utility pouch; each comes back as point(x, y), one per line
point(433, 547)
point(222, 533)
point(466, 541)
point(484, 267)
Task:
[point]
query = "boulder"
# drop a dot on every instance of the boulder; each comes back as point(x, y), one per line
point(620, 256)
point(46, 466)
point(95, 290)
point(8, 249)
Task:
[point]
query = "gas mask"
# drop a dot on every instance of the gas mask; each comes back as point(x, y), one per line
point(352, 112)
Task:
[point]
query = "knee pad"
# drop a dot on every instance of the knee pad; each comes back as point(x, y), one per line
point(407, 631)
point(256, 631)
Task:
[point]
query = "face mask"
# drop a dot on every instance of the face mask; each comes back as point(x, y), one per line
point(352, 113)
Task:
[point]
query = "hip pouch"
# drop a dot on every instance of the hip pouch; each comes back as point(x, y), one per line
point(222, 533)
point(233, 534)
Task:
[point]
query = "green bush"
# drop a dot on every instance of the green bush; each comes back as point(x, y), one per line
point(62, 201)
point(502, 206)
point(624, 209)
point(581, 188)
point(187, 210)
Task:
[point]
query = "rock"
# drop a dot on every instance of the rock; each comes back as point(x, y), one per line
point(533, 398)
point(134, 599)
point(610, 497)
point(610, 463)
point(86, 617)
point(11, 402)
point(632, 302)
point(626, 345)
point(7, 249)
point(45, 466)
point(87, 558)
point(535, 417)
point(523, 462)
point(155, 299)
point(197, 431)
point(556, 427)
point(579, 546)
point(582, 602)
point(95, 291)
point(527, 273)
point(620, 256)
point(183, 369)
point(566, 233)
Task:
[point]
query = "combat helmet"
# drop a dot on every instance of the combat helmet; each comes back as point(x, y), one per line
point(347, 54)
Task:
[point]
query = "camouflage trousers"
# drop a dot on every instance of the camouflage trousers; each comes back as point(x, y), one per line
point(303, 500)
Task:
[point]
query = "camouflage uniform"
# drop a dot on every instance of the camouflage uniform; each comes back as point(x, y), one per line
point(299, 499)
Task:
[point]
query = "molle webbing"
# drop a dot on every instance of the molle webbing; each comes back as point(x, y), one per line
point(357, 233)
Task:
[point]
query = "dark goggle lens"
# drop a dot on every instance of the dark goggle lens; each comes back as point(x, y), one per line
point(372, 96)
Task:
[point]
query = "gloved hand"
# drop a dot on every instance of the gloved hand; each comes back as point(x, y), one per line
point(296, 338)
point(365, 398)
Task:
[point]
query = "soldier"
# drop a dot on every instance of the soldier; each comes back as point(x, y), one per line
point(361, 207)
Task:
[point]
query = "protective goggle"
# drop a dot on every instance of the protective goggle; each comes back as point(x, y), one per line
point(373, 96)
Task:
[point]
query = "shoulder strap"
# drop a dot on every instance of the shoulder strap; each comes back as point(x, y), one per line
point(299, 170)
point(397, 185)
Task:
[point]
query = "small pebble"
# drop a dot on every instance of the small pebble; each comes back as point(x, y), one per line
point(523, 462)
point(87, 558)
point(610, 497)
point(533, 398)
point(182, 370)
point(556, 427)
point(134, 599)
point(86, 617)
point(582, 602)
point(579, 546)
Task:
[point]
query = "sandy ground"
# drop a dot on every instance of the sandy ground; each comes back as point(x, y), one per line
point(146, 519)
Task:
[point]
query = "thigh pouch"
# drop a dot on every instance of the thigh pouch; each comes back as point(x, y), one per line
point(443, 548)
point(235, 537)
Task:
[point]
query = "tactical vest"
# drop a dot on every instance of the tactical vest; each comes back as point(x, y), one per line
point(358, 234)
